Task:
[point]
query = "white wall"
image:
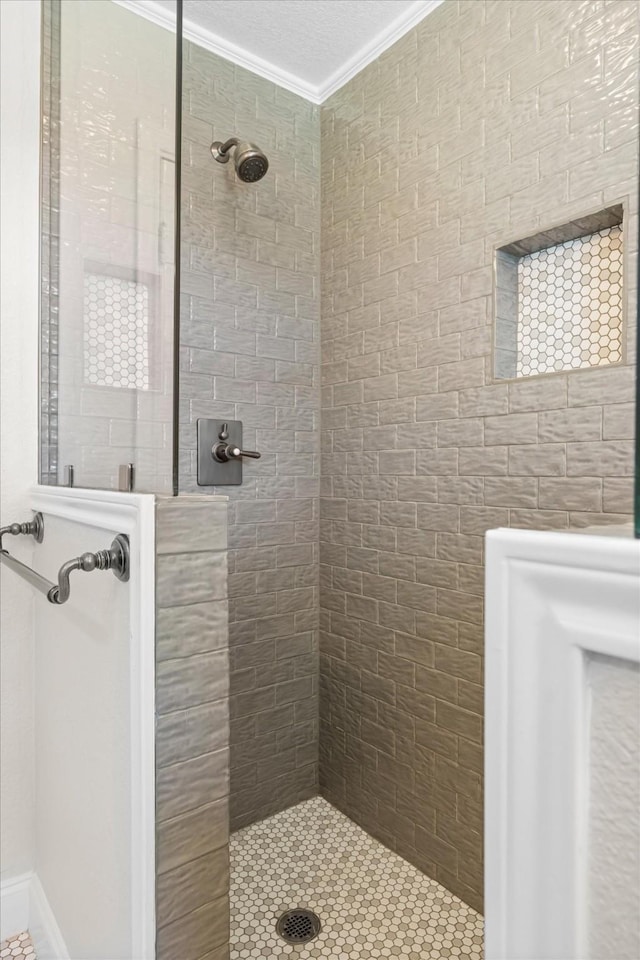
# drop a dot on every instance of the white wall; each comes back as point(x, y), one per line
point(83, 749)
point(20, 53)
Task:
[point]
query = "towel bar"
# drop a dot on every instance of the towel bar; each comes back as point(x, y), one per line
point(115, 558)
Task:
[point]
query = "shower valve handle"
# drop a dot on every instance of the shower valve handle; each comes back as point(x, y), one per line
point(224, 452)
point(220, 453)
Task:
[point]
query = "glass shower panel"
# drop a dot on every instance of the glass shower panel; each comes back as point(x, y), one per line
point(108, 200)
point(636, 487)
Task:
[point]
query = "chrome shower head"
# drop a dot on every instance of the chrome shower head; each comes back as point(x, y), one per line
point(250, 162)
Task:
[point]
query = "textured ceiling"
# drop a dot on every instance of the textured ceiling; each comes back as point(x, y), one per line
point(314, 45)
point(311, 39)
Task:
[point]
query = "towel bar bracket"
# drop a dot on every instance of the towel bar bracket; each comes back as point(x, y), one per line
point(33, 528)
point(116, 559)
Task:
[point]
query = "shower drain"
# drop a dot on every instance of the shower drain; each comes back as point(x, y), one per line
point(298, 926)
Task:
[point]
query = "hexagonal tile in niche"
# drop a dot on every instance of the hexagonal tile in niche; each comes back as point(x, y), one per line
point(569, 297)
point(116, 331)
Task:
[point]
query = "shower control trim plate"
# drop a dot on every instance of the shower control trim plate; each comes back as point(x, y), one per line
point(220, 452)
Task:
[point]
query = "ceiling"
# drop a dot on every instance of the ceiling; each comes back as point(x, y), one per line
point(309, 46)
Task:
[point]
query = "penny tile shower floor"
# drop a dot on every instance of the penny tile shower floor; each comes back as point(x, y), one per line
point(371, 902)
point(19, 947)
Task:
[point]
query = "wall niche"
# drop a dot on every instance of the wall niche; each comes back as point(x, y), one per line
point(558, 298)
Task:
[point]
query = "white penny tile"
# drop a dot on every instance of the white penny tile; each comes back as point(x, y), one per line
point(19, 947)
point(570, 305)
point(370, 901)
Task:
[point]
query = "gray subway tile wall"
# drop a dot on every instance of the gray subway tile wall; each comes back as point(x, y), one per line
point(250, 351)
point(192, 728)
point(487, 121)
point(425, 173)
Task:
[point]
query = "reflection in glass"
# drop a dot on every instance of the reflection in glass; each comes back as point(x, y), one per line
point(107, 245)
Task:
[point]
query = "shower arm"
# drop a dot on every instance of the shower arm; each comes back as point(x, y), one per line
point(222, 152)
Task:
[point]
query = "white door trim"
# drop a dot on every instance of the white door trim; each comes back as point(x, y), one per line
point(133, 514)
point(553, 600)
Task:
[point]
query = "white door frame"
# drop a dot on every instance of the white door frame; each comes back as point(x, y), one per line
point(553, 600)
point(134, 515)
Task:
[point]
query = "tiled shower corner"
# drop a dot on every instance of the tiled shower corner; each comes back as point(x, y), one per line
point(250, 336)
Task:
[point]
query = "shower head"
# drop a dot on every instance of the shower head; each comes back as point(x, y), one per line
point(250, 162)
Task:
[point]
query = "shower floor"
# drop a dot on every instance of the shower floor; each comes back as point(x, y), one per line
point(371, 902)
point(18, 947)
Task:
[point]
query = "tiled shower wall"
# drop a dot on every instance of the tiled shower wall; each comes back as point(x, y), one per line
point(488, 122)
point(250, 352)
point(192, 729)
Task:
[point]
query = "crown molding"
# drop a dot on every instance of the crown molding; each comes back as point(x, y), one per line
point(223, 48)
point(314, 93)
point(385, 39)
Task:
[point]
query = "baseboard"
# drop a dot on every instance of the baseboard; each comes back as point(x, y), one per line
point(14, 905)
point(24, 906)
point(45, 932)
